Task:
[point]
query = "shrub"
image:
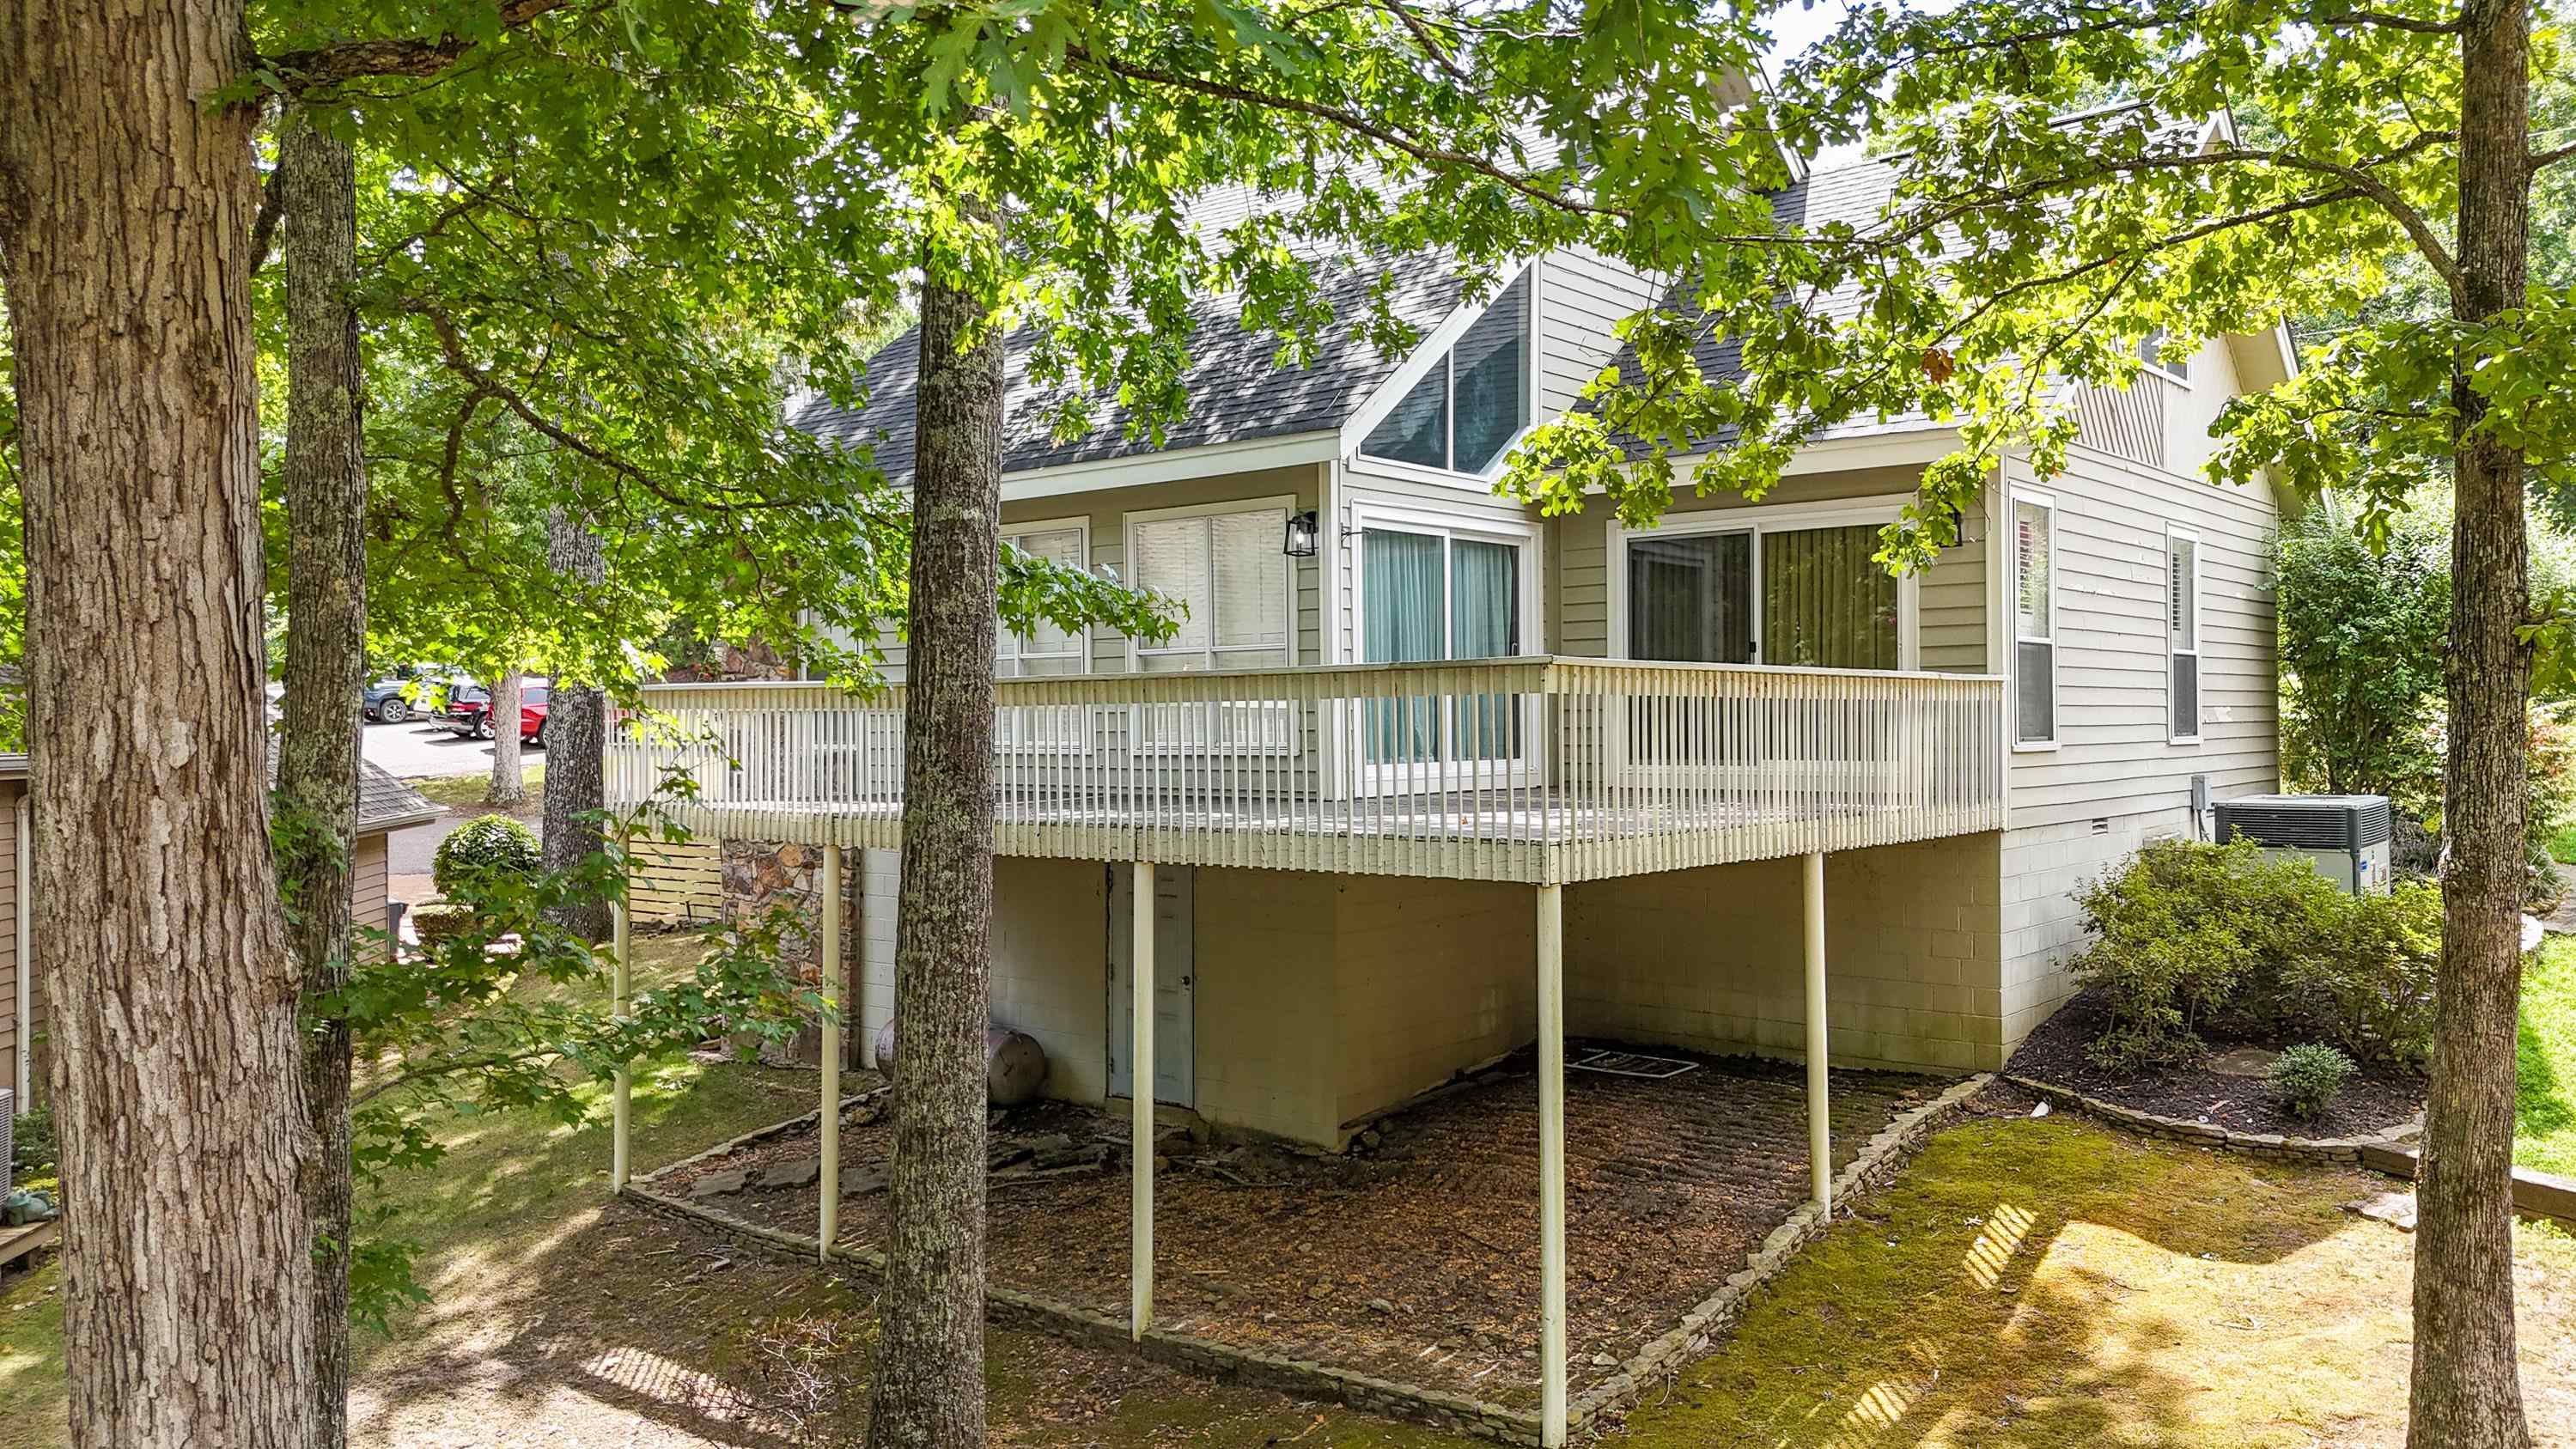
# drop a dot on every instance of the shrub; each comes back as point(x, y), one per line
point(483, 852)
point(2190, 937)
point(441, 923)
point(32, 1146)
point(2306, 1078)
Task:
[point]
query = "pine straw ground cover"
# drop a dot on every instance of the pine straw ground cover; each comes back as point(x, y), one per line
point(1414, 1258)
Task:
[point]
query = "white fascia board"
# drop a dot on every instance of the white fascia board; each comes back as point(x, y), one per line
point(1214, 460)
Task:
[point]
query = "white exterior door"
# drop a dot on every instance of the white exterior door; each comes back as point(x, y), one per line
point(1174, 1081)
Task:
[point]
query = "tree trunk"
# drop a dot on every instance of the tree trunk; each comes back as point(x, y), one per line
point(576, 735)
point(929, 1386)
point(326, 662)
point(2465, 1392)
point(509, 787)
point(126, 201)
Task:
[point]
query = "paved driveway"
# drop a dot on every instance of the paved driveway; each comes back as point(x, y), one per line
point(413, 749)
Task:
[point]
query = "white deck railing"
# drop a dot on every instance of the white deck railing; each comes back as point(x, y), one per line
point(1536, 769)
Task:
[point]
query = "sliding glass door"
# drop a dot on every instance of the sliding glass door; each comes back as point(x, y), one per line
point(1430, 594)
point(1813, 596)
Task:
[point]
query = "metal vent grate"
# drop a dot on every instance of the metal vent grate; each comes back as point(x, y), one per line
point(1633, 1064)
point(2309, 822)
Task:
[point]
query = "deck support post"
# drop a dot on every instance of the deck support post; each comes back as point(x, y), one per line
point(829, 1174)
point(1551, 1164)
point(1820, 1131)
point(1140, 1091)
point(621, 980)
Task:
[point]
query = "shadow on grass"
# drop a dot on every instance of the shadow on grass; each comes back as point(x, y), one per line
point(2036, 1284)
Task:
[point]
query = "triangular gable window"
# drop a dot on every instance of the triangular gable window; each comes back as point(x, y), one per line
point(1469, 407)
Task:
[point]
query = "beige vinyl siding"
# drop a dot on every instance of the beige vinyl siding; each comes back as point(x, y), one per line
point(1950, 601)
point(1466, 505)
point(367, 884)
point(2116, 780)
point(1583, 296)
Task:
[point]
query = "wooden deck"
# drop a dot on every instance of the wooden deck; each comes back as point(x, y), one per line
point(16, 1243)
point(1540, 770)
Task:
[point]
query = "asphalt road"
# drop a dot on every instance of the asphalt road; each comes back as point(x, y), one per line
point(414, 748)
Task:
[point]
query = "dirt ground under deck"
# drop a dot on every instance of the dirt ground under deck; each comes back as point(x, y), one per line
point(1414, 1257)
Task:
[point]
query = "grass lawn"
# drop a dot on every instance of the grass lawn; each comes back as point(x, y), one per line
point(2562, 846)
point(465, 792)
point(2028, 1284)
point(2544, 1061)
point(2049, 1284)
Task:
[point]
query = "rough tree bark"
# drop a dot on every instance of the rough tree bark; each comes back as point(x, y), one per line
point(928, 1391)
point(576, 735)
point(126, 202)
point(509, 787)
point(326, 661)
point(2466, 1393)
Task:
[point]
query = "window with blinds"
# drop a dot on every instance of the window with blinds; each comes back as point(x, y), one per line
point(2182, 627)
point(1226, 571)
point(1048, 649)
point(2034, 622)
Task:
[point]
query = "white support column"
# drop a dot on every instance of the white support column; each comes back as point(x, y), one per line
point(1820, 1130)
point(621, 980)
point(829, 1177)
point(1551, 1163)
point(1140, 1089)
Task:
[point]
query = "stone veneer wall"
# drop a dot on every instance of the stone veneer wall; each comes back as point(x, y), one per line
point(762, 874)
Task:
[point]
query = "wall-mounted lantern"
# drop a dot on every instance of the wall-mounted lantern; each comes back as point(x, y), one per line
point(1300, 539)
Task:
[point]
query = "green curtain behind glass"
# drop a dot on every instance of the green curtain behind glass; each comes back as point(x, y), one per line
point(1401, 575)
point(1484, 623)
point(1826, 601)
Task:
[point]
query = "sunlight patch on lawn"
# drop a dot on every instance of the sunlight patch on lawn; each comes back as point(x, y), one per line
point(2544, 1062)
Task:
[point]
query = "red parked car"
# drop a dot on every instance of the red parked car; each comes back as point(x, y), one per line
point(469, 713)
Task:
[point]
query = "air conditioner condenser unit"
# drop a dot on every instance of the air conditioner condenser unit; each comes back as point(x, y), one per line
point(2346, 837)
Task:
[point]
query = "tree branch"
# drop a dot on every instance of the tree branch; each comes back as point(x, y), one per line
point(2544, 159)
point(2392, 22)
point(263, 228)
point(356, 59)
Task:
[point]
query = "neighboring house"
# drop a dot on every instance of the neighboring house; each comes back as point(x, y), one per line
point(385, 804)
point(1425, 776)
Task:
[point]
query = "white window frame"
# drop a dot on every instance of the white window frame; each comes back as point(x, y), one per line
point(1757, 520)
point(1439, 345)
point(1282, 504)
point(1449, 527)
point(2014, 639)
point(1012, 533)
point(1008, 739)
point(2198, 652)
point(2179, 377)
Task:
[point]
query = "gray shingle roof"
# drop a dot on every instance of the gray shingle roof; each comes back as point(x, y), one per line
point(384, 803)
point(1237, 392)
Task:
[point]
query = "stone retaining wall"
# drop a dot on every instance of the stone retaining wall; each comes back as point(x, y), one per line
point(2333, 1151)
point(1878, 1162)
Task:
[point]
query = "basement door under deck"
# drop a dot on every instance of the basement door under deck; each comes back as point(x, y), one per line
point(1175, 1080)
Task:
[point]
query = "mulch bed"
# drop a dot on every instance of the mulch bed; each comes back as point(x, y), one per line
point(2376, 1098)
point(1415, 1256)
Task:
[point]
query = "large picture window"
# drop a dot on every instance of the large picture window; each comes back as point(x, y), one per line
point(1785, 593)
point(1473, 402)
point(2034, 621)
point(2182, 628)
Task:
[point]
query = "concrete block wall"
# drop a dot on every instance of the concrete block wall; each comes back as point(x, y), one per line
point(1263, 1001)
point(2043, 929)
point(1713, 959)
point(1428, 976)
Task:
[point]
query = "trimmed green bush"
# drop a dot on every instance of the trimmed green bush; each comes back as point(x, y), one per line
point(32, 1148)
point(2189, 938)
point(483, 852)
point(2306, 1078)
point(437, 924)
